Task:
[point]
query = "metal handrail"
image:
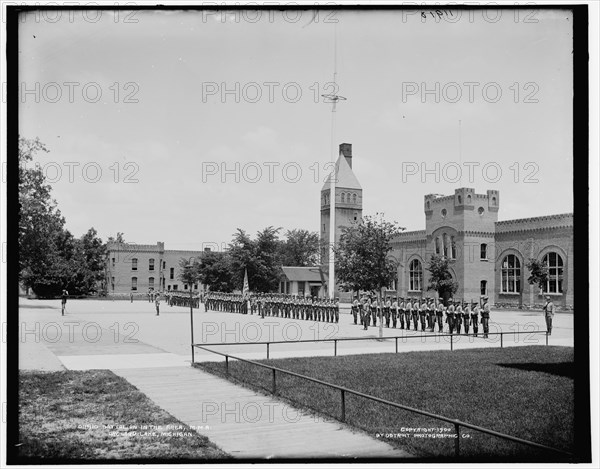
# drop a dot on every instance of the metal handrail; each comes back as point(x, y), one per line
point(344, 390)
point(335, 340)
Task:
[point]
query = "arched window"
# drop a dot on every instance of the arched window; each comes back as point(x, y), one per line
point(437, 245)
point(444, 213)
point(151, 282)
point(459, 200)
point(445, 244)
point(452, 248)
point(150, 264)
point(483, 251)
point(134, 264)
point(494, 201)
point(353, 198)
point(511, 274)
point(415, 275)
point(343, 198)
point(469, 199)
point(554, 265)
point(133, 283)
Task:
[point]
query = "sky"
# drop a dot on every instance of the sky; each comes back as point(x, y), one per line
point(182, 126)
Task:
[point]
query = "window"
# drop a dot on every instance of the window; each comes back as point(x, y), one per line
point(554, 265)
point(428, 205)
point(134, 264)
point(301, 287)
point(133, 283)
point(175, 287)
point(169, 287)
point(459, 200)
point(445, 244)
point(437, 245)
point(444, 213)
point(355, 216)
point(195, 286)
point(151, 282)
point(343, 198)
point(150, 264)
point(494, 201)
point(164, 264)
point(323, 227)
point(353, 198)
point(171, 273)
point(415, 275)
point(480, 210)
point(112, 283)
point(511, 274)
point(185, 286)
point(113, 262)
point(483, 287)
point(483, 252)
point(469, 199)
point(452, 248)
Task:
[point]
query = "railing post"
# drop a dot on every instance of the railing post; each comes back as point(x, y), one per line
point(457, 441)
point(274, 387)
point(501, 341)
point(343, 406)
point(267, 350)
point(335, 347)
point(451, 342)
point(226, 364)
point(396, 344)
point(546, 337)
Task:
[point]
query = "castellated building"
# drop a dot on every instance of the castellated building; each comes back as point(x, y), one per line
point(487, 257)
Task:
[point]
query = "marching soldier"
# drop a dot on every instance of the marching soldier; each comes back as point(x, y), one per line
point(387, 311)
point(423, 314)
point(466, 315)
point(549, 310)
point(485, 317)
point(157, 304)
point(401, 306)
point(439, 314)
point(415, 314)
point(450, 315)
point(408, 313)
point(475, 316)
point(458, 314)
point(394, 312)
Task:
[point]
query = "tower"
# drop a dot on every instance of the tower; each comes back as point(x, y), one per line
point(348, 200)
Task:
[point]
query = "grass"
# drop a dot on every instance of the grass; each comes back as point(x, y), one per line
point(74, 415)
point(525, 392)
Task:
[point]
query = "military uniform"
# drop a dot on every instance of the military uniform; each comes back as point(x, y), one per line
point(458, 315)
point(450, 316)
point(408, 313)
point(423, 314)
point(549, 310)
point(475, 317)
point(485, 317)
point(466, 315)
point(416, 307)
point(401, 306)
point(394, 312)
point(439, 314)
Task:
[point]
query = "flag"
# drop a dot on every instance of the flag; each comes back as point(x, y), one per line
point(246, 288)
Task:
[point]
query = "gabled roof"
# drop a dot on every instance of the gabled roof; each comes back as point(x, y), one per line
point(302, 274)
point(345, 176)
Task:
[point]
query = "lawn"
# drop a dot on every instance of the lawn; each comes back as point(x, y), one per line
point(525, 392)
point(75, 415)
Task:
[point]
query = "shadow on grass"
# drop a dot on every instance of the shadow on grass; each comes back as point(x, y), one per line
point(565, 369)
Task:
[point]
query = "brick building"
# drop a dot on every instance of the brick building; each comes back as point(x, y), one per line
point(140, 267)
point(487, 257)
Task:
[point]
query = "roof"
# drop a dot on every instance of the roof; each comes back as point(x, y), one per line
point(345, 176)
point(302, 274)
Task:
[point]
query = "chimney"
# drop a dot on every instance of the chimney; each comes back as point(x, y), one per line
point(346, 150)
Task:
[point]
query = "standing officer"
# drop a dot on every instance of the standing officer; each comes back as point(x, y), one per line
point(549, 309)
point(423, 314)
point(408, 313)
point(157, 303)
point(475, 317)
point(394, 312)
point(401, 306)
point(485, 317)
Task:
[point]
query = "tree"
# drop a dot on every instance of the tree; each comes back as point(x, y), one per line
point(362, 255)
point(118, 239)
point(215, 271)
point(538, 273)
point(440, 278)
point(300, 248)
